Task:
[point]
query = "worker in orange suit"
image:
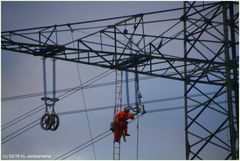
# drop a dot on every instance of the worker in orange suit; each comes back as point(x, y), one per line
point(121, 124)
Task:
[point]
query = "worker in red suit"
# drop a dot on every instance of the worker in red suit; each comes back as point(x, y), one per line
point(121, 124)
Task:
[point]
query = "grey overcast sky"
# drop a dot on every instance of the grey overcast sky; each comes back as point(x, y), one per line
point(161, 134)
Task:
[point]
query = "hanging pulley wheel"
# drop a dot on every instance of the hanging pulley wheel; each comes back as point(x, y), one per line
point(49, 122)
point(54, 122)
point(45, 122)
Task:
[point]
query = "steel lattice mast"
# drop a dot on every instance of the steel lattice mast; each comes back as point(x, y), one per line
point(206, 35)
point(200, 134)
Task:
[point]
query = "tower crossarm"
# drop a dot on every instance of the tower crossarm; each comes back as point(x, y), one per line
point(152, 64)
point(106, 43)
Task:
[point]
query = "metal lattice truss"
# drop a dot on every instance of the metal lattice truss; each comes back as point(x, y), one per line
point(207, 122)
point(196, 44)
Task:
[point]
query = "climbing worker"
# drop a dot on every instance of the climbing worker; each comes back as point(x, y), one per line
point(121, 124)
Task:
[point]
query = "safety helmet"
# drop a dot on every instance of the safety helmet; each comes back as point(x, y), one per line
point(126, 109)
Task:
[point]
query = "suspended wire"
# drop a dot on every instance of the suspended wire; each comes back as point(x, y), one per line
point(97, 109)
point(79, 88)
point(137, 137)
point(75, 150)
point(18, 119)
point(54, 78)
point(112, 18)
point(19, 131)
point(87, 143)
point(89, 127)
point(44, 78)
point(81, 29)
point(112, 106)
point(84, 104)
point(11, 98)
point(21, 117)
point(37, 109)
point(137, 90)
point(149, 111)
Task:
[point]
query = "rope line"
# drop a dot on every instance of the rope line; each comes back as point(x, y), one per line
point(85, 105)
point(137, 138)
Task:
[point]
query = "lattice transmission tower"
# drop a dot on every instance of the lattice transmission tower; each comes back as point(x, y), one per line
point(196, 44)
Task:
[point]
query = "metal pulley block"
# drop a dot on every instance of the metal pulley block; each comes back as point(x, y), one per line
point(49, 121)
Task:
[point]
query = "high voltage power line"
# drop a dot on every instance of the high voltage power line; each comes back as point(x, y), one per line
point(66, 94)
point(28, 127)
point(95, 139)
point(20, 131)
point(106, 19)
point(11, 98)
point(28, 114)
point(84, 145)
point(36, 122)
point(108, 132)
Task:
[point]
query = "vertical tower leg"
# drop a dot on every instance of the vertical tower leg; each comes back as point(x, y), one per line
point(211, 119)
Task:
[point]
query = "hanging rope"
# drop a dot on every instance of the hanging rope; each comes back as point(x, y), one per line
point(138, 104)
point(137, 137)
point(84, 101)
point(101, 41)
point(44, 79)
point(54, 79)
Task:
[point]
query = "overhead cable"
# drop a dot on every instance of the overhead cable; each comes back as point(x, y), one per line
point(89, 86)
point(66, 94)
point(95, 109)
point(110, 18)
point(85, 106)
